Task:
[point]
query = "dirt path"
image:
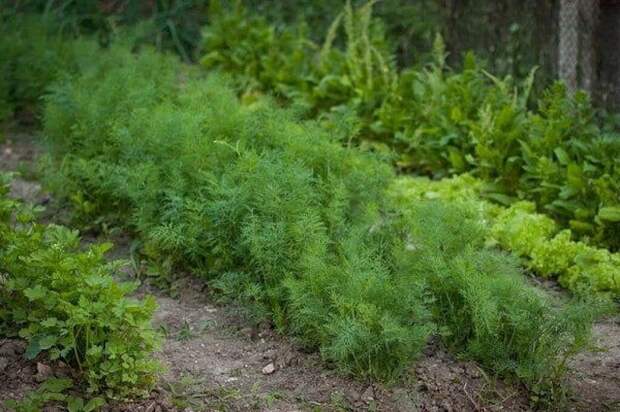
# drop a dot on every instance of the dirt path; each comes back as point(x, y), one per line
point(216, 361)
point(595, 376)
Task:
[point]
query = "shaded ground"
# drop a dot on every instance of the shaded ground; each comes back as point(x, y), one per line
point(17, 376)
point(212, 353)
point(595, 376)
point(216, 361)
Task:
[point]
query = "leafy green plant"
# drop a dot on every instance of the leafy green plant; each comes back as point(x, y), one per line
point(64, 302)
point(350, 73)
point(553, 253)
point(361, 74)
point(52, 391)
point(450, 122)
point(261, 56)
point(556, 156)
point(440, 121)
point(570, 167)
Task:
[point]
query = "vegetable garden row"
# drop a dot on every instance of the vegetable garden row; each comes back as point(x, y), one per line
point(291, 205)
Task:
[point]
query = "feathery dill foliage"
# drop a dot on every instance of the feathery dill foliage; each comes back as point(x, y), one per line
point(277, 214)
point(270, 210)
point(484, 305)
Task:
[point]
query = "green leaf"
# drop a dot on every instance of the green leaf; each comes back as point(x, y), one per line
point(38, 292)
point(456, 159)
point(94, 404)
point(581, 227)
point(56, 385)
point(47, 342)
point(562, 156)
point(609, 214)
point(75, 404)
point(33, 349)
point(574, 176)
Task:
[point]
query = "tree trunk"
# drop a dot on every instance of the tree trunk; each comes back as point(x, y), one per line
point(569, 41)
point(588, 47)
point(609, 46)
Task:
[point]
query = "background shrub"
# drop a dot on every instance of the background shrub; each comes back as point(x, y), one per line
point(35, 54)
point(553, 151)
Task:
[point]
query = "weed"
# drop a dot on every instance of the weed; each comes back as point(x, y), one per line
point(199, 394)
point(185, 333)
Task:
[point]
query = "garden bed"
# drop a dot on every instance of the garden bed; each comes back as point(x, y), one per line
point(216, 358)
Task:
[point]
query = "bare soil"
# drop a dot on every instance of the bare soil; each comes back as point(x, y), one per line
point(214, 360)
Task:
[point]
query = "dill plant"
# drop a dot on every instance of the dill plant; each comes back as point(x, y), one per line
point(260, 205)
point(484, 306)
point(277, 214)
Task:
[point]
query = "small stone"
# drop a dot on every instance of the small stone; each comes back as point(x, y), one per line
point(285, 358)
point(43, 372)
point(4, 362)
point(269, 369)
point(353, 395)
point(368, 394)
point(474, 372)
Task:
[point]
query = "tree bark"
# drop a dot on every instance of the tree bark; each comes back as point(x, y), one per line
point(609, 46)
point(569, 43)
point(589, 10)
